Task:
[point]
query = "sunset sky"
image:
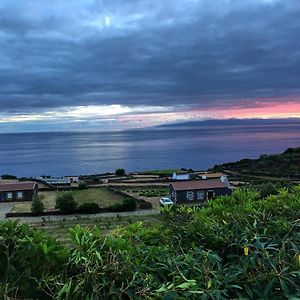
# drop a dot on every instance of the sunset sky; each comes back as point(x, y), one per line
point(113, 64)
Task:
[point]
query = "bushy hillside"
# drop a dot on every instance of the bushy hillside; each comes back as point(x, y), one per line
point(239, 246)
point(286, 164)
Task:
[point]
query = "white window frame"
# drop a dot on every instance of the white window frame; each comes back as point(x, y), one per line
point(20, 195)
point(200, 195)
point(190, 195)
point(9, 195)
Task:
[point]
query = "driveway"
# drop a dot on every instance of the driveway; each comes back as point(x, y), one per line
point(4, 209)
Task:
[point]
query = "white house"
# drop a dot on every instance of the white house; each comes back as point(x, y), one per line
point(184, 176)
point(73, 179)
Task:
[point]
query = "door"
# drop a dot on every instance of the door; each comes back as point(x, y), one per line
point(1, 197)
point(210, 194)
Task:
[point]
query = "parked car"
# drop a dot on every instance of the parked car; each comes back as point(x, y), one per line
point(165, 201)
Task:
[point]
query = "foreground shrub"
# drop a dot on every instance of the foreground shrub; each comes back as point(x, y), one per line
point(37, 206)
point(127, 205)
point(88, 208)
point(66, 203)
point(28, 259)
point(237, 247)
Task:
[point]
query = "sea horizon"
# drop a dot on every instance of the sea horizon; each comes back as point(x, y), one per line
point(174, 146)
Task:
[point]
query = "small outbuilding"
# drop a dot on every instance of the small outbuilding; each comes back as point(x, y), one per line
point(18, 191)
point(198, 190)
point(181, 176)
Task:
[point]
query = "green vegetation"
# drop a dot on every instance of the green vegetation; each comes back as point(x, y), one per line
point(161, 173)
point(37, 206)
point(127, 205)
point(240, 246)
point(284, 165)
point(82, 185)
point(66, 203)
point(88, 208)
point(120, 172)
point(61, 229)
point(268, 189)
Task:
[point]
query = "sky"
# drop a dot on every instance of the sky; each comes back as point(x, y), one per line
point(115, 64)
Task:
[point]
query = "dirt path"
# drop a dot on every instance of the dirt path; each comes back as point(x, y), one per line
point(32, 220)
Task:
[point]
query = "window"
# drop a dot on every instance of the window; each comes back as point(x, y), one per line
point(190, 195)
point(9, 196)
point(20, 195)
point(200, 195)
point(174, 195)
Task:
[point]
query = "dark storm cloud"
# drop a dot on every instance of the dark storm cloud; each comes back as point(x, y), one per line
point(167, 53)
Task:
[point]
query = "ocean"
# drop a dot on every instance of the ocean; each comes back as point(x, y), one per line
point(196, 147)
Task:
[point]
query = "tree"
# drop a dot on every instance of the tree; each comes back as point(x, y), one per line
point(129, 204)
point(82, 185)
point(66, 203)
point(37, 206)
point(120, 172)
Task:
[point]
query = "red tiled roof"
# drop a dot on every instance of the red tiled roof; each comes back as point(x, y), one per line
point(17, 186)
point(198, 184)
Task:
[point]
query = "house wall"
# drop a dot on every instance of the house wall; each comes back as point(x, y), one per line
point(196, 195)
point(27, 195)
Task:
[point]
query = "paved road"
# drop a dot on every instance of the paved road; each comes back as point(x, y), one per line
point(4, 209)
point(32, 220)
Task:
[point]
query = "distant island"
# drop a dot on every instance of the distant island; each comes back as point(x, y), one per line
point(230, 122)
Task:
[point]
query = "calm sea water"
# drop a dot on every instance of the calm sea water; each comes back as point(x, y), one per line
point(33, 154)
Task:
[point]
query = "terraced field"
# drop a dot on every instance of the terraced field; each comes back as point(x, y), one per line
point(61, 229)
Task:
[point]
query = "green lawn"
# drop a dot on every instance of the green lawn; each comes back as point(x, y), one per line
point(103, 196)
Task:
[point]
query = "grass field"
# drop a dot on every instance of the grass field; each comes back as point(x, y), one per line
point(167, 172)
point(103, 196)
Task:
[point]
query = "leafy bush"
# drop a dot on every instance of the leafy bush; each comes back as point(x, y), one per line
point(120, 172)
point(267, 189)
point(88, 208)
point(82, 185)
point(117, 207)
point(145, 205)
point(66, 203)
point(37, 206)
point(127, 205)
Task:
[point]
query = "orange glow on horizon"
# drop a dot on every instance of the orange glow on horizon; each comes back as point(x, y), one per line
point(268, 110)
point(264, 110)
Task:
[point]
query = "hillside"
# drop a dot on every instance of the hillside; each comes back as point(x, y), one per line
point(286, 164)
